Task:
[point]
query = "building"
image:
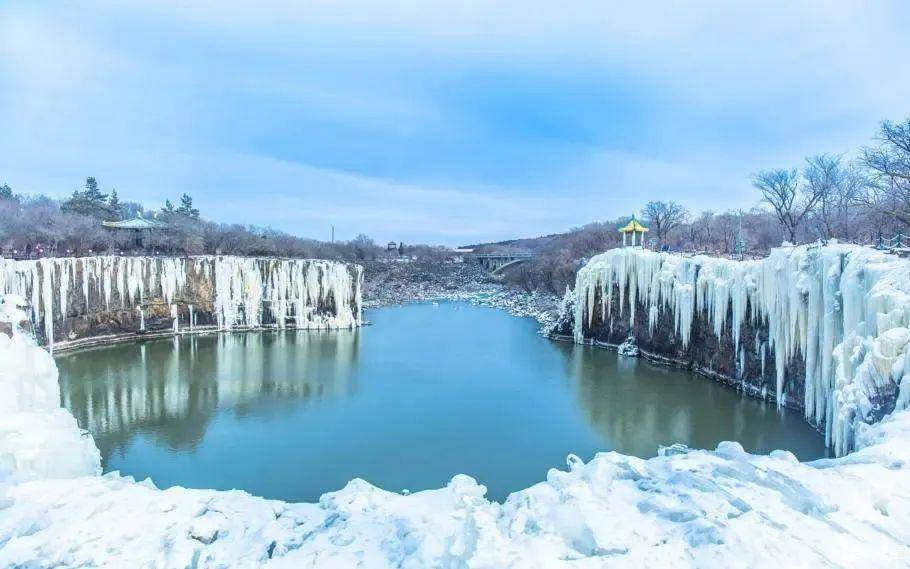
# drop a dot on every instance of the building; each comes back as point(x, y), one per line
point(634, 228)
point(139, 227)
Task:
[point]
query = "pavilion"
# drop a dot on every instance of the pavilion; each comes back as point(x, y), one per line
point(634, 228)
point(140, 227)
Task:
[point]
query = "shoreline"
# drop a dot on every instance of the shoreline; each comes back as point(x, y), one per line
point(540, 307)
point(395, 283)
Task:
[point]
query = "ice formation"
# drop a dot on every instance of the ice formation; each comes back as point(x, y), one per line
point(301, 293)
point(628, 348)
point(38, 439)
point(684, 508)
point(844, 308)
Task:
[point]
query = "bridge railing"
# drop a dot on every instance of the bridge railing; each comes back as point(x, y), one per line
point(500, 256)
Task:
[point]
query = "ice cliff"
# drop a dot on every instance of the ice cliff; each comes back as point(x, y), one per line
point(843, 311)
point(225, 291)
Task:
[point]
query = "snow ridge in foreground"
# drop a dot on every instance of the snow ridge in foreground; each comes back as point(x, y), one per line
point(722, 508)
point(844, 308)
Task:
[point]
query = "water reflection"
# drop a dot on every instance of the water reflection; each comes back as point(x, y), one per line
point(636, 406)
point(172, 388)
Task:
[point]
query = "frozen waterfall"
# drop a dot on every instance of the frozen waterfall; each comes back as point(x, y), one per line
point(845, 309)
point(245, 292)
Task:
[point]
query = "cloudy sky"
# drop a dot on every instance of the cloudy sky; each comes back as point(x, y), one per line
point(438, 121)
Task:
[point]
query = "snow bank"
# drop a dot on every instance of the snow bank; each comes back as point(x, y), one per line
point(845, 309)
point(684, 508)
point(244, 288)
point(687, 509)
point(38, 439)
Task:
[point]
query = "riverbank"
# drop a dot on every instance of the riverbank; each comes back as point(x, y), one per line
point(391, 283)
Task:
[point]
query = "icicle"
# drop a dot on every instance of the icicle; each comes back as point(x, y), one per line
point(247, 292)
point(47, 295)
point(833, 305)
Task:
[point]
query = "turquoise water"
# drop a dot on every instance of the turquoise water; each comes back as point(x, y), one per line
point(424, 393)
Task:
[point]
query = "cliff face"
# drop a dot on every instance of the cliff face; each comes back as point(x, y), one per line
point(73, 300)
point(749, 367)
point(824, 329)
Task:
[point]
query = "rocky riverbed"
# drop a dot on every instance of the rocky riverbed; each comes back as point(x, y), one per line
point(388, 283)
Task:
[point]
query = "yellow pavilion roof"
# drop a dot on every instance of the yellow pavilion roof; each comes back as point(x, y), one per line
point(633, 226)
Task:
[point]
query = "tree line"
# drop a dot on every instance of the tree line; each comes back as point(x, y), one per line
point(828, 197)
point(863, 200)
point(36, 225)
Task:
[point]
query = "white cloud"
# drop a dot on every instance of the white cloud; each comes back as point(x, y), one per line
point(407, 118)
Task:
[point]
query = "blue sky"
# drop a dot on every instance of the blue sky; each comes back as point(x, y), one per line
point(444, 122)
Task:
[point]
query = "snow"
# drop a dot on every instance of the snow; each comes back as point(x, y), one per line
point(38, 439)
point(683, 508)
point(628, 348)
point(292, 290)
point(845, 309)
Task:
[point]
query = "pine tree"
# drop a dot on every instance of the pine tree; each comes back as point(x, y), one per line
point(6, 192)
point(114, 205)
point(168, 207)
point(92, 193)
point(89, 201)
point(186, 207)
point(401, 249)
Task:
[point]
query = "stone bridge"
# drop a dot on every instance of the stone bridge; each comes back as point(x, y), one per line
point(496, 262)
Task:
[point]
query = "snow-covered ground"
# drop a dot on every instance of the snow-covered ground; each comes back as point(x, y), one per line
point(684, 508)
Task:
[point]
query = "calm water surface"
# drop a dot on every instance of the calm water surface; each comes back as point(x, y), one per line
point(425, 393)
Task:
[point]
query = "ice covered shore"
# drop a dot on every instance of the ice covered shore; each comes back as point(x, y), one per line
point(685, 508)
point(841, 311)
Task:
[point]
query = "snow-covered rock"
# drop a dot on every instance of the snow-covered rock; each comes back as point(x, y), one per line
point(844, 309)
point(562, 321)
point(389, 283)
point(628, 348)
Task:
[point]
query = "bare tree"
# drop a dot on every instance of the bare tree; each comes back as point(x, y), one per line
point(852, 191)
point(664, 217)
point(889, 164)
point(725, 231)
point(790, 200)
point(704, 232)
point(824, 178)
